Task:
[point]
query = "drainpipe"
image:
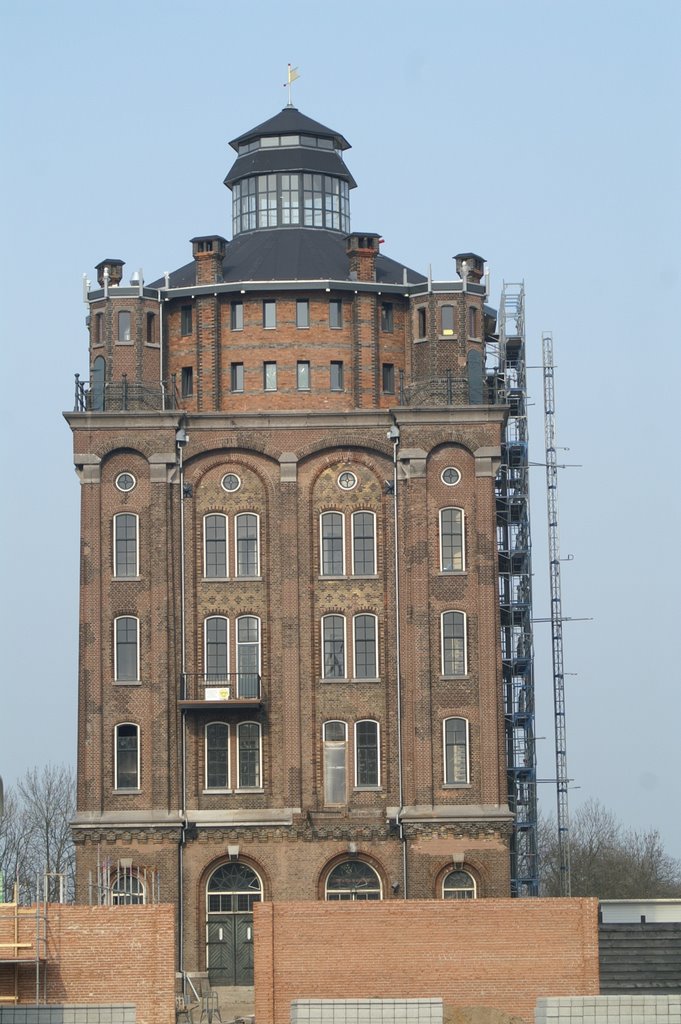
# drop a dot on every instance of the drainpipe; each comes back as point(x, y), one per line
point(394, 436)
point(181, 439)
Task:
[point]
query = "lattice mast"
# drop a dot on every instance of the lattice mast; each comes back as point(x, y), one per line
point(515, 593)
point(556, 616)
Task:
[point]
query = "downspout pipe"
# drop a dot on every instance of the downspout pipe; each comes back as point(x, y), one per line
point(181, 440)
point(394, 436)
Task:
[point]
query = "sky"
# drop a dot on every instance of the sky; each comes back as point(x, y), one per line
point(542, 135)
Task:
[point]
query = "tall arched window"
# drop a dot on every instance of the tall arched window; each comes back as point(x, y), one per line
point(335, 740)
point(247, 555)
point(353, 880)
point(455, 749)
point(98, 384)
point(333, 644)
point(126, 649)
point(332, 544)
point(216, 661)
point(453, 642)
point(127, 889)
point(215, 546)
point(248, 755)
point(451, 540)
point(248, 655)
point(217, 755)
point(126, 756)
point(458, 885)
point(367, 755)
point(365, 647)
point(125, 545)
point(363, 543)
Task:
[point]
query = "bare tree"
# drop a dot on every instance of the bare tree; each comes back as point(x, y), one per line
point(35, 833)
point(608, 860)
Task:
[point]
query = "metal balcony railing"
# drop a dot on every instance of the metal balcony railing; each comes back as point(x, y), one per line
point(451, 389)
point(125, 396)
point(217, 688)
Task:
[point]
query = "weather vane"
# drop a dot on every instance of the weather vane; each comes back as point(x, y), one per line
point(292, 75)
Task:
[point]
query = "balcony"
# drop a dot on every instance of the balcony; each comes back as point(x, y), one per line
point(125, 396)
point(230, 690)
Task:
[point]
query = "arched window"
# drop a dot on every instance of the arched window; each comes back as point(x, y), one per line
point(126, 649)
point(367, 755)
point(215, 546)
point(126, 756)
point(458, 885)
point(98, 383)
point(455, 749)
point(248, 655)
point(353, 880)
point(127, 889)
point(216, 648)
point(335, 740)
point(125, 545)
point(217, 755)
point(453, 642)
point(247, 555)
point(363, 543)
point(364, 631)
point(451, 540)
point(333, 644)
point(248, 755)
point(332, 544)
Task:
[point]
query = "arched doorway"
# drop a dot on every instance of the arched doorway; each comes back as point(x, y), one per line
point(231, 891)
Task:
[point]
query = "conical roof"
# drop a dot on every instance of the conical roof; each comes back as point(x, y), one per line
point(290, 121)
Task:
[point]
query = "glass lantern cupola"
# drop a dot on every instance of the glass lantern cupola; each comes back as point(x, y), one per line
point(289, 172)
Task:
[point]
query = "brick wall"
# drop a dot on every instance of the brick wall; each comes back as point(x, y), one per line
point(495, 953)
point(96, 955)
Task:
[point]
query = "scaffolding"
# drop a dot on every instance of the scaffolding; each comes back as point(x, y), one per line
point(23, 946)
point(515, 592)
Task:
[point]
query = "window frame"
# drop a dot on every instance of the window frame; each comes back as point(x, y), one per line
point(450, 783)
point(472, 889)
point(355, 645)
point(388, 378)
point(186, 321)
point(239, 783)
point(126, 575)
point(363, 512)
point(336, 375)
point(215, 676)
point(464, 622)
point(303, 370)
point(447, 331)
point(335, 314)
point(388, 317)
point(208, 788)
point(269, 314)
point(237, 542)
point(238, 646)
point(121, 890)
point(329, 745)
point(117, 774)
point(236, 315)
point(421, 323)
point(117, 677)
point(323, 517)
point(302, 314)
point(187, 382)
point(450, 536)
point(269, 375)
point(324, 673)
point(236, 378)
point(368, 785)
point(124, 334)
point(472, 322)
point(206, 540)
point(353, 897)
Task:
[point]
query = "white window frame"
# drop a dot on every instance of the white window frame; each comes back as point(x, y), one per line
point(336, 745)
point(205, 547)
point(452, 508)
point(473, 886)
point(127, 789)
point(119, 889)
point(369, 615)
point(227, 787)
point(115, 647)
point(370, 785)
point(358, 512)
point(238, 645)
point(303, 304)
point(331, 512)
point(259, 786)
point(449, 783)
point(451, 675)
point(137, 545)
point(338, 615)
point(266, 310)
point(206, 673)
point(247, 576)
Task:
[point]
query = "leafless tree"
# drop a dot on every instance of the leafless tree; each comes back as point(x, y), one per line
point(608, 860)
point(35, 833)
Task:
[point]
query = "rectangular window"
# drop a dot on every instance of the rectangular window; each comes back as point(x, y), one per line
point(336, 375)
point(126, 649)
point(125, 545)
point(185, 320)
point(453, 644)
point(302, 313)
point(269, 313)
point(451, 540)
point(333, 643)
point(269, 376)
point(215, 546)
point(124, 326)
point(236, 381)
point(456, 751)
point(333, 544)
point(99, 331)
point(127, 757)
point(472, 322)
point(248, 755)
point(236, 319)
point(388, 378)
point(217, 755)
point(335, 757)
point(216, 655)
point(447, 320)
point(363, 543)
point(303, 375)
point(367, 761)
point(421, 322)
point(365, 647)
point(187, 381)
point(387, 317)
point(248, 656)
point(247, 544)
point(335, 313)
point(151, 329)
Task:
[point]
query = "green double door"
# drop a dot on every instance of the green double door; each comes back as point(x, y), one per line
point(230, 949)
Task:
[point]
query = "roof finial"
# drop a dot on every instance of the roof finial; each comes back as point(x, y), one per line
point(292, 75)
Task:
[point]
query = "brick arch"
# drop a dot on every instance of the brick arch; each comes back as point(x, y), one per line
point(200, 891)
point(344, 448)
point(112, 452)
point(363, 858)
point(444, 446)
point(212, 459)
point(471, 866)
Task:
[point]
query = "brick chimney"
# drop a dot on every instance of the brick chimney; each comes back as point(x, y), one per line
point(470, 266)
point(209, 252)
point(362, 251)
point(115, 269)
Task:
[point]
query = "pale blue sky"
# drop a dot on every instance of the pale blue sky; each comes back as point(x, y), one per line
point(542, 135)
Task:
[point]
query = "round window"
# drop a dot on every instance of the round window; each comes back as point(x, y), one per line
point(125, 481)
point(347, 480)
point(231, 482)
point(450, 476)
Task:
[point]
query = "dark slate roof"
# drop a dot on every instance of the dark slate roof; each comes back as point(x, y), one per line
point(290, 254)
point(294, 158)
point(290, 121)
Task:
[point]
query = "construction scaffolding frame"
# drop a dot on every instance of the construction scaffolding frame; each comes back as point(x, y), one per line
point(26, 949)
point(515, 592)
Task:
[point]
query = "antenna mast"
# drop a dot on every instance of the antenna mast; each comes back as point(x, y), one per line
point(556, 616)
